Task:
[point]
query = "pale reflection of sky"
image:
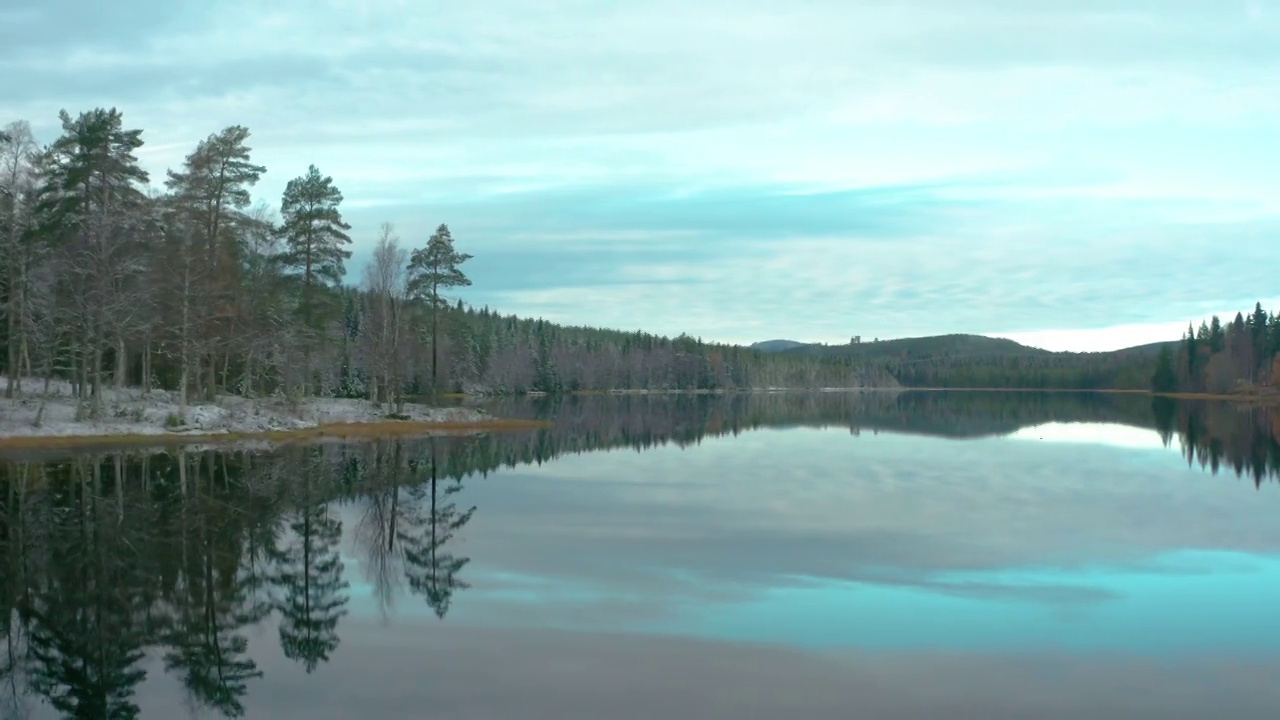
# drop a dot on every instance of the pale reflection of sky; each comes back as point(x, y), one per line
point(1114, 434)
point(1085, 540)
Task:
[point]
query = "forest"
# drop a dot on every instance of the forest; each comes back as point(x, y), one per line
point(189, 284)
point(1048, 371)
point(1219, 358)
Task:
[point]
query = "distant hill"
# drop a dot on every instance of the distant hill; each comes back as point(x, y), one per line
point(921, 348)
point(776, 345)
point(1148, 350)
point(979, 361)
point(936, 347)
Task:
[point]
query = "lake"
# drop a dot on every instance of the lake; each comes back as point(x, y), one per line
point(871, 555)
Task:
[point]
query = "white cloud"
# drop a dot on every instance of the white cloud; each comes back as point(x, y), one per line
point(1123, 336)
point(1096, 131)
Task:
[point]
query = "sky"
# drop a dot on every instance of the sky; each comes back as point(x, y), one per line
point(1079, 175)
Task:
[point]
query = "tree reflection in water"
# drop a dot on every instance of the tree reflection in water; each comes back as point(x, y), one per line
point(108, 557)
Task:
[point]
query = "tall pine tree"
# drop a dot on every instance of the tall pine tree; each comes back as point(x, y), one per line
point(315, 235)
point(211, 192)
point(90, 208)
point(432, 269)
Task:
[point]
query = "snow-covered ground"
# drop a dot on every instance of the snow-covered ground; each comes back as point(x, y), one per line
point(130, 411)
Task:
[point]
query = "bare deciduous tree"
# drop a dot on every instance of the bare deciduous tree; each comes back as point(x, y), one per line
point(386, 282)
point(17, 182)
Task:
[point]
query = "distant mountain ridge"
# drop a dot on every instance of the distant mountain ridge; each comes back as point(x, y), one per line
point(940, 346)
point(978, 361)
point(776, 345)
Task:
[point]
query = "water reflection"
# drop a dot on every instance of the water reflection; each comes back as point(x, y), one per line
point(201, 566)
point(1215, 435)
point(110, 555)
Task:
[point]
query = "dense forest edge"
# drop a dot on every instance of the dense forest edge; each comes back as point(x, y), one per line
point(188, 286)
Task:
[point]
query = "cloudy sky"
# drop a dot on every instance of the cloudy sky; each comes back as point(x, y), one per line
point(1079, 175)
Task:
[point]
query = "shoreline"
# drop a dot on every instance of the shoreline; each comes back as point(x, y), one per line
point(336, 419)
point(334, 431)
point(1254, 397)
point(1249, 398)
point(157, 418)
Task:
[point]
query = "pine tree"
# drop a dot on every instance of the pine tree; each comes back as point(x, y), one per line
point(432, 269)
point(211, 193)
point(1217, 337)
point(315, 235)
point(90, 210)
point(1165, 378)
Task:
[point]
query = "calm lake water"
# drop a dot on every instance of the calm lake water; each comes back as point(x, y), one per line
point(922, 555)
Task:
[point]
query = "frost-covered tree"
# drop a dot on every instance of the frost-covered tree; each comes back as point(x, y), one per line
point(211, 192)
point(92, 210)
point(386, 282)
point(17, 252)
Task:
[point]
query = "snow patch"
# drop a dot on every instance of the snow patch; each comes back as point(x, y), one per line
point(132, 411)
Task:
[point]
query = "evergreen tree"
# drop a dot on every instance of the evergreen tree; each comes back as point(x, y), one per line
point(1216, 334)
point(432, 269)
point(315, 236)
point(1193, 349)
point(1165, 379)
point(211, 193)
point(90, 211)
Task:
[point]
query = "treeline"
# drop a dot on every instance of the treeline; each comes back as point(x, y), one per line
point(483, 352)
point(111, 279)
point(1050, 371)
point(1221, 358)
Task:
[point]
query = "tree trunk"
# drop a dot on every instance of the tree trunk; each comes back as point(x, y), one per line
point(97, 379)
point(185, 353)
point(182, 389)
point(146, 365)
point(246, 378)
point(226, 369)
point(82, 371)
point(121, 364)
point(434, 349)
point(393, 360)
point(25, 353)
point(211, 381)
point(11, 385)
